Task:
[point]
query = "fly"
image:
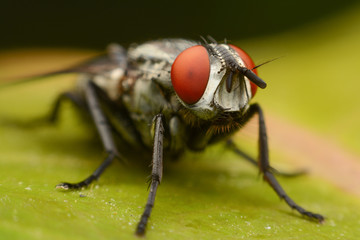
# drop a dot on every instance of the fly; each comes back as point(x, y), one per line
point(167, 96)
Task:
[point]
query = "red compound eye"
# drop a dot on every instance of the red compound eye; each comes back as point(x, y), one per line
point(249, 64)
point(190, 73)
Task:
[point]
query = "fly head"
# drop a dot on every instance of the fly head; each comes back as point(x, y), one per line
point(215, 79)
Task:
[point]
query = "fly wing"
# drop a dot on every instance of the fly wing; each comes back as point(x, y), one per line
point(114, 58)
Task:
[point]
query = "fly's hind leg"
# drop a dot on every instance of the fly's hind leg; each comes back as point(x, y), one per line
point(231, 145)
point(73, 97)
point(104, 130)
point(265, 169)
point(52, 117)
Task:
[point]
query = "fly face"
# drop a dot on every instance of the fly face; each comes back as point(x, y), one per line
point(213, 79)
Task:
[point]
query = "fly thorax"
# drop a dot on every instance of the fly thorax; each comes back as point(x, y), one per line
point(109, 82)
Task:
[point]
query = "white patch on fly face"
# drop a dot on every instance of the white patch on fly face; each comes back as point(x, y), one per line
point(237, 98)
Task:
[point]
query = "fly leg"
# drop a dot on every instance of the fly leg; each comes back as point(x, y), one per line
point(73, 97)
point(264, 166)
point(156, 174)
point(230, 144)
point(104, 131)
point(54, 114)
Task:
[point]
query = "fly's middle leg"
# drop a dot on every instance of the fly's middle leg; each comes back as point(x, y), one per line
point(104, 130)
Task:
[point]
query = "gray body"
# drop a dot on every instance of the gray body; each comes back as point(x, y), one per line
point(139, 86)
point(130, 94)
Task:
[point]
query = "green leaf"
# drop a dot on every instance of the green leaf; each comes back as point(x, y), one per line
point(210, 195)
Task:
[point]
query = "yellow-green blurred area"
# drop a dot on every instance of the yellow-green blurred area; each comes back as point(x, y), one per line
point(316, 82)
point(311, 106)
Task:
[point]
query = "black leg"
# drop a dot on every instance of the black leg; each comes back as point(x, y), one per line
point(156, 174)
point(230, 144)
point(73, 97)
point(54, 114)
point(264, 166)
point(104, 131)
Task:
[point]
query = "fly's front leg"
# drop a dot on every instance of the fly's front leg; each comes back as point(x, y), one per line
point(265, 168)
point(156, 174)
point(104, 131)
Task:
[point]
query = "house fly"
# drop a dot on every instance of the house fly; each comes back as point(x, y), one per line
point(168, 96)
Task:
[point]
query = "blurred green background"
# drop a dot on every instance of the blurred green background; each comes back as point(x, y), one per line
point(311, 103)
